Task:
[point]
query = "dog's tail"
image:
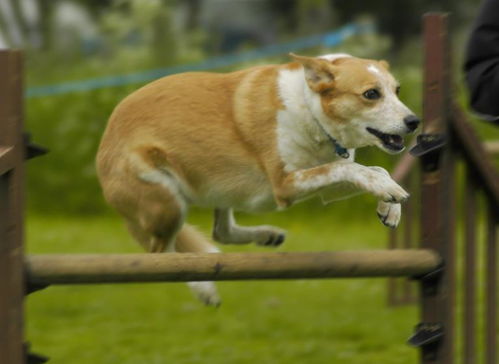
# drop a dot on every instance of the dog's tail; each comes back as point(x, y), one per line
point(190, 240)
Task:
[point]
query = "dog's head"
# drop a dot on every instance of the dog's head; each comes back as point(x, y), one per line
point(356, 101)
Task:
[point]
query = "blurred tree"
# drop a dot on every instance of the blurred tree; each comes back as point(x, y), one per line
point(95, 6)
point(20, 19)
point(142, 25)
point(285, 12)
point(193, 13)
point(314, 16)
point(46, 11)
point(400, 19)
point(4, 29)
point(28, 23)
point(132, 35)
point(14, 28)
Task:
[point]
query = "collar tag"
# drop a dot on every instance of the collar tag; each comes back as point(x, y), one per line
point(340, 150)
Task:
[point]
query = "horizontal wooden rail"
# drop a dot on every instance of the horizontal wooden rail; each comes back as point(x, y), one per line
point(123, 268)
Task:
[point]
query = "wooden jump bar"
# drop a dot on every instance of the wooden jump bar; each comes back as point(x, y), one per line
point(176, 267)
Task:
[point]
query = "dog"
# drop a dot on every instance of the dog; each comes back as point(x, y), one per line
point(253, 140)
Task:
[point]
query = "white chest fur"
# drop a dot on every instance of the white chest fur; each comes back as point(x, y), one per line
point(301, 141)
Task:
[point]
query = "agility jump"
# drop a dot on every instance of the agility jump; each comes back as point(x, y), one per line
point(434, 266)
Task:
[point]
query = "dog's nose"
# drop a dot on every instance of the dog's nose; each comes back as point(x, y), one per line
point(412, 122)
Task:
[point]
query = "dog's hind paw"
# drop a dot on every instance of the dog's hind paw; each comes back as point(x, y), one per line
point(270, 236)
point(389, 213)
point(206, 292)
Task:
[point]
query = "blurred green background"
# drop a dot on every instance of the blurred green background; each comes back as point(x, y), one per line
point(266, 322)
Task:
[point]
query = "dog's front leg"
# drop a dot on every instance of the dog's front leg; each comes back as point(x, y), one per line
point(226, 231)
point(300, 184)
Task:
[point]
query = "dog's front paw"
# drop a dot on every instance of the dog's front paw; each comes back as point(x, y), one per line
point(206, 292)
point(394, 194)
point(389, 213)
point(385, 188)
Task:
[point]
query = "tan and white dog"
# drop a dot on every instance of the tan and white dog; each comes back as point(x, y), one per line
point(257, 139)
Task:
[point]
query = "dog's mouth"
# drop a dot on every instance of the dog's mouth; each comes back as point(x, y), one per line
point(391, 142)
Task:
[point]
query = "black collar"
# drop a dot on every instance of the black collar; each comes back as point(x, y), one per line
point(340, 150)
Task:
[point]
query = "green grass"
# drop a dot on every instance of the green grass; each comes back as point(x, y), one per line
point(300, 321)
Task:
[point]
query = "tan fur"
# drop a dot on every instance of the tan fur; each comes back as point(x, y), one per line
point(225, 135)
point(211, 140)
point(190, 240)
point(164, 118)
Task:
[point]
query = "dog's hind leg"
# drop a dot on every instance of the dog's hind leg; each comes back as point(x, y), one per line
point(189, 240)
point(157, 218)
point(226, 231)
point(154, 205)
point(158, 227)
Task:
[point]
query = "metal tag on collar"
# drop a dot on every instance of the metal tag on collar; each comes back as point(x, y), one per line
point(341, 151)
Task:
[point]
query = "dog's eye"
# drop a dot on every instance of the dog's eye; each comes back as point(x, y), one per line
point(372, 94)
point(397, 90)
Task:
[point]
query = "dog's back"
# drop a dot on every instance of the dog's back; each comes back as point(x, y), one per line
point(201, 127)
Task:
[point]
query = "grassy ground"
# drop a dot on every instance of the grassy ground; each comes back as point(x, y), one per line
point(302, 321)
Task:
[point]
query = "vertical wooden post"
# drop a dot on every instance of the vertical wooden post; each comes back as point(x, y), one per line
point(437, 209)
point(491, 284)
point(470, 267)
point(11, 209)
point(407, 295)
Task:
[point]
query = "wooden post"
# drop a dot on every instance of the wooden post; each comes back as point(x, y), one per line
point(491, 301)
point(11, 208)
point(470, 267)
point(437, 195)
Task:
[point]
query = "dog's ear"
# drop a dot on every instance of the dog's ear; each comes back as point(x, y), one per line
point(318, 72)
point(384, 64)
